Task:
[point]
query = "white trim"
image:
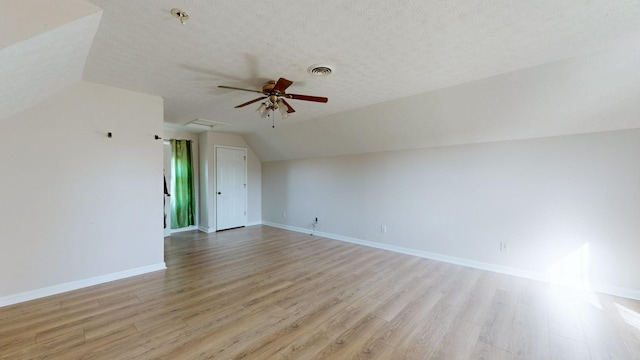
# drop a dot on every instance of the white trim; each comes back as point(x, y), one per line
point(617, 291)
point(602, 288)
point(188, 228)
point(74, 285)
point(207, 230)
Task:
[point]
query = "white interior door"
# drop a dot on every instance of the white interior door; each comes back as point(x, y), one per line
point(231, 187)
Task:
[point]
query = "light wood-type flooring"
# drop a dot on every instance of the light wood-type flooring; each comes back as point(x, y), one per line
point(266, 293)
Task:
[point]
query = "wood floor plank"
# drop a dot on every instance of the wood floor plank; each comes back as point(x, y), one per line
point(354, 340)
point(564, 315)
point(279, 340)
point(399, 329)
point(245, 343)
point(496, 330)
point(482, 351)
point(563, 348)
point(265, 293)
point(311, 343)
point(459, 341)
point(529, 333)
point(424, 341)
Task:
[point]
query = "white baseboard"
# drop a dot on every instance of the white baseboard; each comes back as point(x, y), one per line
point(206, 229)
point(601, 288)
point(617, 291)
point(188, 228)
point(74, 285)
point(212, 230)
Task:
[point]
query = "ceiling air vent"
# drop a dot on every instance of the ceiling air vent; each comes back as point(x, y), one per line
point(320, 70)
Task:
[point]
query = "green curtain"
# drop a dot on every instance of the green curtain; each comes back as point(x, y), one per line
point(182, 193)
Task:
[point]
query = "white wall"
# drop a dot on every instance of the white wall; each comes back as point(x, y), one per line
point(77, 206)
point(208, 141)
point(546, 198)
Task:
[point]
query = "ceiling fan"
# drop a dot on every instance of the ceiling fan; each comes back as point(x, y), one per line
point(275, 95)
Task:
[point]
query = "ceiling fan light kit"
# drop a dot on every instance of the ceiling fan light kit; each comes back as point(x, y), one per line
point(267, 108)
point(274, 93)
point(283, 108)
point(262, 110)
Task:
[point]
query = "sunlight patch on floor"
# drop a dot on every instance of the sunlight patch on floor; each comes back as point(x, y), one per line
point(629, 316)
point(570, 278)
point(573, 269)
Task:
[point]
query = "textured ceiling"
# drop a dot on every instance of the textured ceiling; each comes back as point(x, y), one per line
point(43, 49)
point(408, 53)
point(381, 50)
point(23, 19)
point(598, 92)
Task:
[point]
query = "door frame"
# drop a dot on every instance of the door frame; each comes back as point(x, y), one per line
point(215, 182)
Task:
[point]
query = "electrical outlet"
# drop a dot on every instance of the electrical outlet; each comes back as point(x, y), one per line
point(504, 247)
point(284, 215)
point(383, 229)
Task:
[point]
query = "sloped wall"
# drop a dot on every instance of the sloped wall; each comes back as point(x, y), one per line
point(78, 207)
point(43, 49)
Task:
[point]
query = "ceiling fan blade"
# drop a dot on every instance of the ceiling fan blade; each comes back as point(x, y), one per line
point(237, 88)
point(307, 98)
point(251, 102)
point(282, 85)
point(289, 108)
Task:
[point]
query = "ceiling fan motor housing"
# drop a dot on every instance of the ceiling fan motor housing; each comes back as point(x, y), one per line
point(268, 87)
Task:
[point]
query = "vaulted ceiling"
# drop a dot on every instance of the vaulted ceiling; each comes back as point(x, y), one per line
point(43, 49)
point(408, 74)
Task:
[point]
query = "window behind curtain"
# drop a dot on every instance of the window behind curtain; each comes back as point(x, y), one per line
point(182, 193)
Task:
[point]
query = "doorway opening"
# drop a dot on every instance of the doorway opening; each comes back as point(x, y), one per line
point(180, 205)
